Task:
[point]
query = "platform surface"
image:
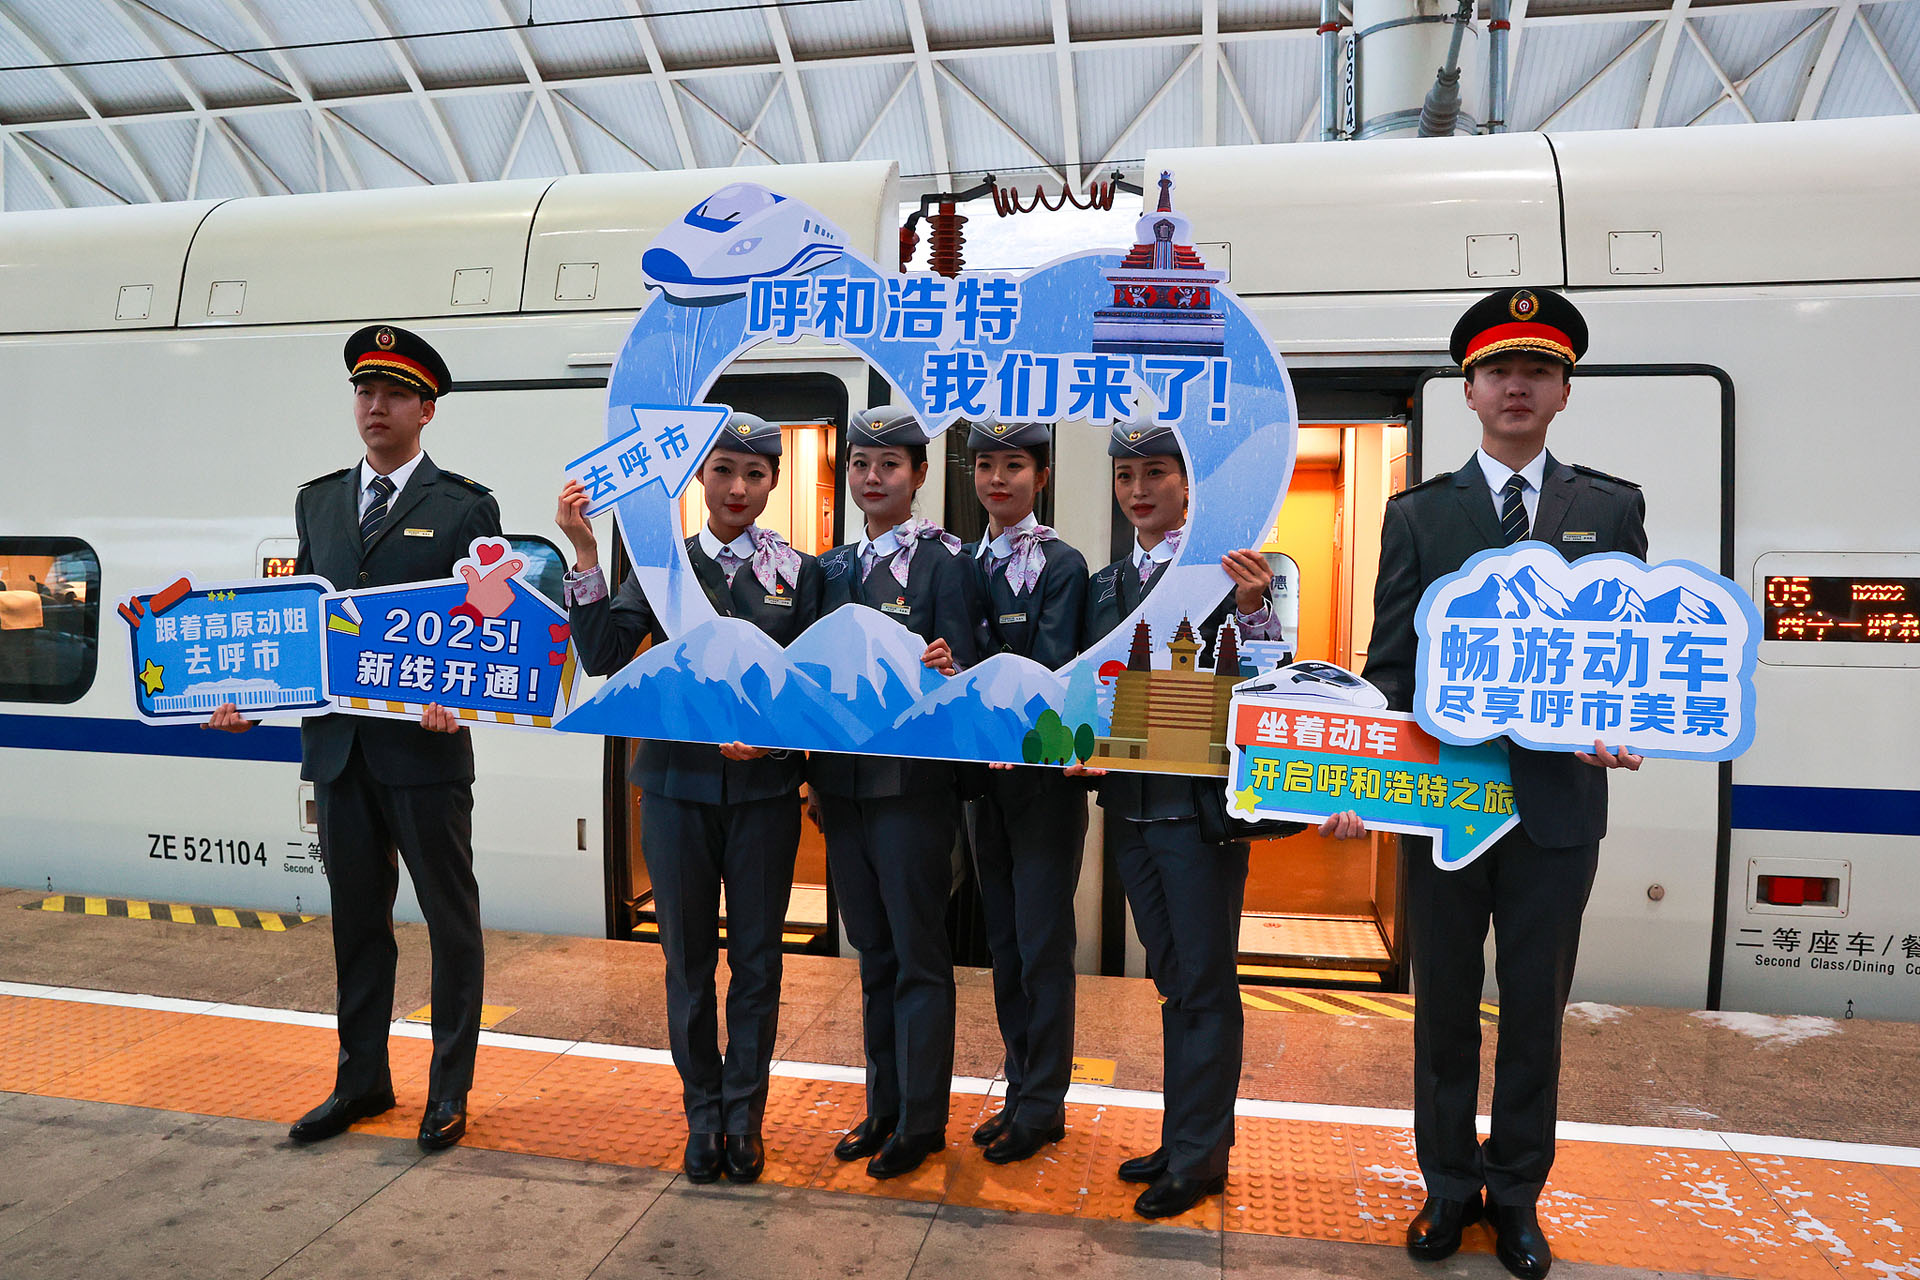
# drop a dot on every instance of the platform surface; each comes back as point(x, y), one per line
point(148, 1070)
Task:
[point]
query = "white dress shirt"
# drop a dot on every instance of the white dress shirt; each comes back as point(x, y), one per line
point(1498, 473)
point(399, 475)
point(742, 548)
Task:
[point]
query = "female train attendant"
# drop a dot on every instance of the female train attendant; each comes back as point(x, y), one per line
point(1028, 827)
point(890, 823)
point(714, 815)
point(1184, 873)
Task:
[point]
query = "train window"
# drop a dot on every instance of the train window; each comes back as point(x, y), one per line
point(546, 568)
point(49, 619)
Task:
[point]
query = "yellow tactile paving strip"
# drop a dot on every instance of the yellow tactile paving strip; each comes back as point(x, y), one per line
point(1343, 1004)
point(177, 912)
point(1764, 1217)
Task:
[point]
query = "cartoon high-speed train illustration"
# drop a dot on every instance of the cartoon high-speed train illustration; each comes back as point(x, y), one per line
point(739, 234)
point(1315, 679)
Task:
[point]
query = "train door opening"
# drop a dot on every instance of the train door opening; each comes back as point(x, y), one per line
point(1321, 911)
point(811, 409)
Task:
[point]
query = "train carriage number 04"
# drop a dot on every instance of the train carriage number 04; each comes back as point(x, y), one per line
point(206, 850)
point(496, 634)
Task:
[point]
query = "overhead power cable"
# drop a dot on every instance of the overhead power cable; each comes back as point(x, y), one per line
point(400, 37)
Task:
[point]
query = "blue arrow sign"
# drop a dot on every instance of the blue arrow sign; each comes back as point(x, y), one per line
point(664, 449)
point(1303, 760)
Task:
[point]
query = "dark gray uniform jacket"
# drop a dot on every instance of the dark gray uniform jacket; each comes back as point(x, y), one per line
point(1438, 525)
point(1043, 623)
point(938, 598)
point(326, 515)
point(607, 632)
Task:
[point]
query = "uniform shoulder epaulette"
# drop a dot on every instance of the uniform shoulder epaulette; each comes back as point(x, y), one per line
point(1601, 475)
point(474, 485)
point(331, 475)
point(1428, 483)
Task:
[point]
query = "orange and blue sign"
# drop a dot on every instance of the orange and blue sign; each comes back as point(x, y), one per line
point(1300, 759)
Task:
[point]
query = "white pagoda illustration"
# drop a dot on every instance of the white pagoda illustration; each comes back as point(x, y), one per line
point(1162, 291)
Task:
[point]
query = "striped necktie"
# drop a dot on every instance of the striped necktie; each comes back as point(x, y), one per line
point(377, 513)
point(1513, 510)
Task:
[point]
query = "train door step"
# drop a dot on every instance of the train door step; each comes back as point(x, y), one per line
point(1283, 949)
point(806, 922)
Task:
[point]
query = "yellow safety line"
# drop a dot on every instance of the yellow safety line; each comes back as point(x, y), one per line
point(1261, 1002)
point(272, 923)
point(1318, 1006)
point(225, 916)
point(139, 910)
point(96, 906)
point(1401, 1012)
point(181, 914)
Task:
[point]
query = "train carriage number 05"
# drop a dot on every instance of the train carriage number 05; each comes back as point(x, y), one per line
point(207, 849)
point(496, 634)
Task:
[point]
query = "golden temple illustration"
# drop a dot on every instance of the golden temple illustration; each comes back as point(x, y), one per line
point(1175, 720)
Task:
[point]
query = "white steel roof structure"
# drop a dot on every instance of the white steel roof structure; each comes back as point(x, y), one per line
point(123, 101)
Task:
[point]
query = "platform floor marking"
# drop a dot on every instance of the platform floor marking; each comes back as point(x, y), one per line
point(1346, 1004)
point(1734, 1205)
point(177, 912)
point(491, 1015)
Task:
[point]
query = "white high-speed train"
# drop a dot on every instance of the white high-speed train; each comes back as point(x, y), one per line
point(172, 374)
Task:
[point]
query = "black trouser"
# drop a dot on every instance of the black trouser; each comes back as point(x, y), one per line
point(1533, 897)
point(1186, 897)
point(1026, 857)
point(892, 864)
point(362, 820)
point(692, 849)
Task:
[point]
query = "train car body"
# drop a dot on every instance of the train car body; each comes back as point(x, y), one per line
point(1754, 297)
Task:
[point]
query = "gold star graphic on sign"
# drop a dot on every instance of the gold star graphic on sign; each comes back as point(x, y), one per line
point(152, 676)
point(1469, 828)
point(1247, 800)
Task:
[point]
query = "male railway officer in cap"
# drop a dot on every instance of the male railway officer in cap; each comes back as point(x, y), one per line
point(1517, 348)
point(393, 518)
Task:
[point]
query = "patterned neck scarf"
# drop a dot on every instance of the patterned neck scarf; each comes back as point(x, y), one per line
point(909, 533)
point(773, 558)
point(1027, 558)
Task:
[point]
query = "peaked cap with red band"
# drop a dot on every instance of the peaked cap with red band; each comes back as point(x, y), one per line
point(1536, 321)
point(388, 351)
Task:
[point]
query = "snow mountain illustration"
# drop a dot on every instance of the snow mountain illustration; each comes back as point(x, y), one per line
point(1609, 600)
point(1682, 605)
point(723, 681)
point(984, 712)
point(865, 660)
point(1525, 595)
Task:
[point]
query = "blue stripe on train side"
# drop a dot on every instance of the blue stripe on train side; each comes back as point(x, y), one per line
point(134, 738)
point(1849, 810)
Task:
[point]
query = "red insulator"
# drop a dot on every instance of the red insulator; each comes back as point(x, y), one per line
point(909, 241)
point(944, 248)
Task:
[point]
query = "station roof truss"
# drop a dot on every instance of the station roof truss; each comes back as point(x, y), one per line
point(124, 101)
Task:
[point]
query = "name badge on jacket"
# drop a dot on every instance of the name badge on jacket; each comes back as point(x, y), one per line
point(1579, 537)
point(419, 533)
point(779, 602)
point(1006, 618)
point(900, 607)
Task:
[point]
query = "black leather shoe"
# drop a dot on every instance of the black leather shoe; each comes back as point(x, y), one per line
point(1518, 1241)
point(444, 1124)
point(332, 1117)
point(702, 1161)
point(904, 1154)
point(864, 1139)
point(746, 1157)
point(1146, 1168)
point(993, 1128)
point(1435, 1232)
point(1172, 1194)
point(1021, 1141)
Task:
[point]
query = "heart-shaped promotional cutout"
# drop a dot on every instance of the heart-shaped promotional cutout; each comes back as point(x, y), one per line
point(490, 552)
